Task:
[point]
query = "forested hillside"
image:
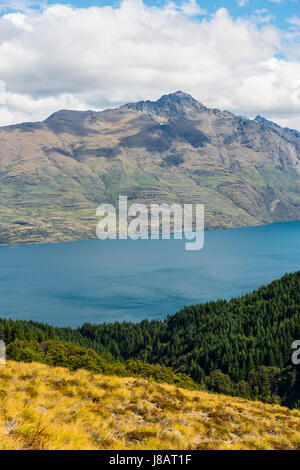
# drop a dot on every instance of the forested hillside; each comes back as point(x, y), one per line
point(241, 346)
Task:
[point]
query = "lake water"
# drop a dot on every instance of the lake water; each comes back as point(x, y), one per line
point(116, 280)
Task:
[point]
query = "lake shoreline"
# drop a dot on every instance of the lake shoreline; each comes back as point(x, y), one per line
point(208, 229)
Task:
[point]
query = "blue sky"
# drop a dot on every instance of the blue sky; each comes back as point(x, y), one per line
point(239, 55)
point(280, 10)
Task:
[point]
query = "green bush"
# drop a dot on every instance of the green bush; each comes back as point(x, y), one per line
point(73, 357)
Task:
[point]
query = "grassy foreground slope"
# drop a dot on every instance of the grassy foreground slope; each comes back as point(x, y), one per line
point(44, 407)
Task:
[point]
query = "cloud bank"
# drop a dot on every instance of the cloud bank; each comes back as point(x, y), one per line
point(97, 57)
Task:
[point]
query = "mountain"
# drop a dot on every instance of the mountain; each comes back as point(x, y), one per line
point(52, 408)
point(53, 174)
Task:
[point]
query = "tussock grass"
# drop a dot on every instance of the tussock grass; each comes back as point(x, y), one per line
point(44, 407)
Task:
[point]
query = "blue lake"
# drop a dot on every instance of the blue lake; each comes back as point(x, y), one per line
point(116, 280)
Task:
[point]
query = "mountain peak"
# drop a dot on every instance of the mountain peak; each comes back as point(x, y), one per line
point(178, 96)
point(266, 122)
point(169, 105)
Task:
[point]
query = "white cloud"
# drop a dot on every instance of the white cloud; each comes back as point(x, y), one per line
point(262, 16)
point(91, 58)
point(20, 5)
point(242, 3)
point(23, 107)
point(189, 8)
point(294, 21)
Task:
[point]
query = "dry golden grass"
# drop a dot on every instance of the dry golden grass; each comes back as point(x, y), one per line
point(42, 407)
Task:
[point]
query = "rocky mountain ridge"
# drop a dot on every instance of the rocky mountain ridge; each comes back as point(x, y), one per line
point(53, 174)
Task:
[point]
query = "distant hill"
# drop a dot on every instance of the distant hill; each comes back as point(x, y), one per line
point(48, 408)
point(53, 174)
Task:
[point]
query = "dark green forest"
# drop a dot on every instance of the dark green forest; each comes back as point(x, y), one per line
point(238, 347)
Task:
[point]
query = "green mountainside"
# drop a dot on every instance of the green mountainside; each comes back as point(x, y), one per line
point(53, 174)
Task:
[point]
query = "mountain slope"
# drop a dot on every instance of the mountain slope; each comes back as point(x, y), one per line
point(51, 408)
point(53, 174)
